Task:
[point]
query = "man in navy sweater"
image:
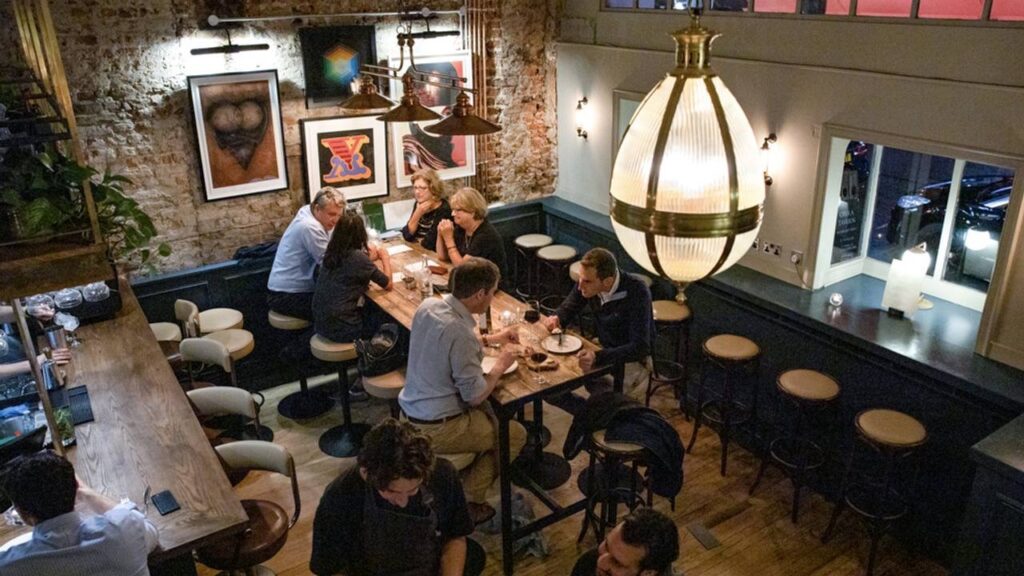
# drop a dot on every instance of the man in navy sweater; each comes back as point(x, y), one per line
point(621, 306)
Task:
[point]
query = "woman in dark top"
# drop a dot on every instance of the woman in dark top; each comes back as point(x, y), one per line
point(469, 233)
point(431, 208)
point(345, 274)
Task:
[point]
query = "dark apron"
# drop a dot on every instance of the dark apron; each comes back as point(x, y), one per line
point(398, 544)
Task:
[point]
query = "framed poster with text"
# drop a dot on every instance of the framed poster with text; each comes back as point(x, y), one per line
point(348, 153)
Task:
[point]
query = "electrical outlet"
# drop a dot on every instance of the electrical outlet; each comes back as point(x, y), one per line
point(776, 249)
point(771, 249)
point(757, 242)
point(796, 257)
point(766, 247)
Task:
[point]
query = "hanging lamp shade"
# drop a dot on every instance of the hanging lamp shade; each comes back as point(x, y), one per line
point(410, 109)
point(367, 98)
point(687, 188)
point(462, 121)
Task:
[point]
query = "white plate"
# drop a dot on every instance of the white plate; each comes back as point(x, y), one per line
point(488, 362)
point(19, 539)
point(569, 345)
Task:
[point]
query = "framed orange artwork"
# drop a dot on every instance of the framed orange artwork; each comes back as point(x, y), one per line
point(238, 133)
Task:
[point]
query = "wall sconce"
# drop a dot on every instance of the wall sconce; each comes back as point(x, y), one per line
point(581, 117)
point(766, 156)
point(902, 296)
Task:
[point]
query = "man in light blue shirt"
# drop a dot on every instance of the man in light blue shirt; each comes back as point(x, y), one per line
point(102, 539)
point(301, 249)
point(445, 384)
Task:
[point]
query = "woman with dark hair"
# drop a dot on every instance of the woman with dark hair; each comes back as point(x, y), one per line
point(345, 275)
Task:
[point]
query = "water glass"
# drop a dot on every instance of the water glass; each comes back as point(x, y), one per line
point(70, 323)
point(39, 306)
point(68, 298)
point(96, 292)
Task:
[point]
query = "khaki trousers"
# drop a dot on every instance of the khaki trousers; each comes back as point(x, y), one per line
point(475, 431)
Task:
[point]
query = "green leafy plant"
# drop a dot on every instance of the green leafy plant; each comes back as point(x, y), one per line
point(48, 190)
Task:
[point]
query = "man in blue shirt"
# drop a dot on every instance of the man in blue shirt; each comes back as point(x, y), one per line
point(445, 385)
point(114, 540)
point(301, 249)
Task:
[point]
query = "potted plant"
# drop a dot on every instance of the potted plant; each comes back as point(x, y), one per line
point(46, 189)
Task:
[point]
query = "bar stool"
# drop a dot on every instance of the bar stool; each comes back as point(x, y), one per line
point(671, 316)
point(345, 440)
point(211, 320)
point(526, 253)
point(554, 260)
point(609, 461)
point(808, 392)
point(386, 387)
point(732, 354)
point(166, 331)
point(215, 353)
point(304, 403)
point(892, 436)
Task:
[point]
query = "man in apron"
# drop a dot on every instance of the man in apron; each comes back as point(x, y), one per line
point(399, 512)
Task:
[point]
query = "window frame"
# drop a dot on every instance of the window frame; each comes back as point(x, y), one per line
point(834, 141)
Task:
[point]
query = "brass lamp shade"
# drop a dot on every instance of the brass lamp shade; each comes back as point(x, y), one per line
point(462, 121)
point(687, 188)
point(410, 109)
point(367, 98)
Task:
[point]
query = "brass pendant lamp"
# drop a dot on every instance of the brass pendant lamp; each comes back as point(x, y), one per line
point(409, 109)
point(687, 187)
point(367, 98)
point(462, 121)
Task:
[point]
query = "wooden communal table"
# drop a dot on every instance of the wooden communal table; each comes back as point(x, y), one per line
point(514, 391)
point(145, 434)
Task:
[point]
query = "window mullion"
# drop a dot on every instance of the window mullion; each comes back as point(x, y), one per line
point(949, 221)
point(869, 208)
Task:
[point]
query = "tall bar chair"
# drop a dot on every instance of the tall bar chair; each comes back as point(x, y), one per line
point(210, 320)
point(613, 476)
point(809, 393)
point(673, 318)
point(553, 264)
point(212, 352)
point(305, 403)
point(346, 439)
point(526, 261)
point(734, 356)
point(891, 437)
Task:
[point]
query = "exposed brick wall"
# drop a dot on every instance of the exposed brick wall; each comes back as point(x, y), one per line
point(127, 62)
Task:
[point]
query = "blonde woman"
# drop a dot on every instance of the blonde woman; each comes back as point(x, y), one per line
point(431, 208)
point(469, 233)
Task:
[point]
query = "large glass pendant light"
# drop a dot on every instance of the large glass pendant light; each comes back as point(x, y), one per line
point(687, 188)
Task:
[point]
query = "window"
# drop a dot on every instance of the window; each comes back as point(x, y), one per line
point(1000, 10)
point(883, 200)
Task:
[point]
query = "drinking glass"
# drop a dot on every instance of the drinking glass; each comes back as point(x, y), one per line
point(70, 323)
point(68, 298)
point(532, 313)
point(40, 306)
point(96, 292)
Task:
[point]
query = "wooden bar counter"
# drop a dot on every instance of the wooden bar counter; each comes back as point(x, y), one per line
point(145, 434)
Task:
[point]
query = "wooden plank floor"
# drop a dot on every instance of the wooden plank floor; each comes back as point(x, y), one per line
point(756, 535)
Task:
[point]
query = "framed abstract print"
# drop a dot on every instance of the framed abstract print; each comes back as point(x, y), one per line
point(348, 153)
point(331, 59)
point(238, 133)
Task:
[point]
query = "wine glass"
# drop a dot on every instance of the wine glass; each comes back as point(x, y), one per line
point(96, 292)
point(70, 323)
point(40, 306)
point(532, 313)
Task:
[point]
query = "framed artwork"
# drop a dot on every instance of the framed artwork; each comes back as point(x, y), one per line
point(348, 152)
point(238, 133)
point(624, 104)
point(414, 148)
point(331, 59)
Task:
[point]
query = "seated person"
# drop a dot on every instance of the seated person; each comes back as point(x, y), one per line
point(399, 511)
point(290, 286)
point(469, 233)
point(621, 307)
point(646, 543)
point(104, 538)
point(344, 277)
point(431, 208)
point(445, 384)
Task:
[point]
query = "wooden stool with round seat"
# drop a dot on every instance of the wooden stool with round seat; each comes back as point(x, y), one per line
point(346, 439)
point(733, 355)
point(267, 528)
point(386, 387)
point(672, 317)
point(612, 476)
point(553, 263)
point(526, 261)
point(809, 392)
point(304, 403)
point(889, 437)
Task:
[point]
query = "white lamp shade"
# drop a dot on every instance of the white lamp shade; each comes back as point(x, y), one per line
point(699, 212)
point(917, 259)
